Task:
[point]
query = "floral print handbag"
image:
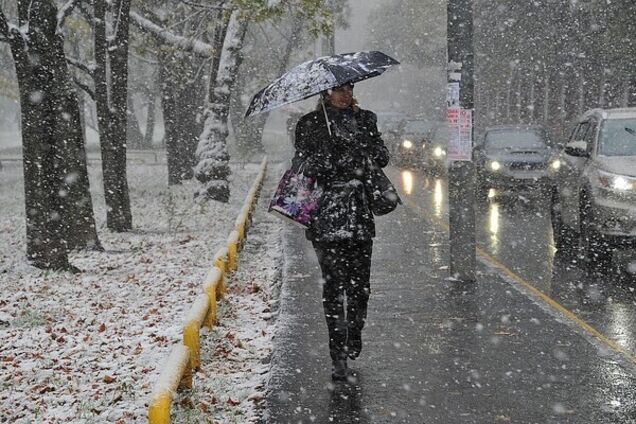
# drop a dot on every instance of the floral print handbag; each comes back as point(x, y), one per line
point(297, 198)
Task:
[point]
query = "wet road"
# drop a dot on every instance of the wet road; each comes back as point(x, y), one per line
point(516, 232)
point(436, 351)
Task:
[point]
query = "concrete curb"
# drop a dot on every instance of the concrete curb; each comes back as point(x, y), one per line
point(178, 370)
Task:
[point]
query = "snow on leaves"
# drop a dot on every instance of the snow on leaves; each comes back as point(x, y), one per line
point(85, 348)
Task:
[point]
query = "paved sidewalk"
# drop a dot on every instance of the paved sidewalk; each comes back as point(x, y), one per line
point(437, 351)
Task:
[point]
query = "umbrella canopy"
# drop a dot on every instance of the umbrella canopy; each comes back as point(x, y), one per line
point(315, 76)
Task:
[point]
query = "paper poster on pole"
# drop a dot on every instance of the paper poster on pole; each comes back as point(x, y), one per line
point(460, 127)
point(452, 96)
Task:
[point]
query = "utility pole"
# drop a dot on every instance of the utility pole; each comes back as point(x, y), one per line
point(461, 173)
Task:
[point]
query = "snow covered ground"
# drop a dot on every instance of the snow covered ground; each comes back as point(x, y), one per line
point(87, 348)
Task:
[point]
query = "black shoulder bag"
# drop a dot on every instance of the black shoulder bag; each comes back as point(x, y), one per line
point(382, 194)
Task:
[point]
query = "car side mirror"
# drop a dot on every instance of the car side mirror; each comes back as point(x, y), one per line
point(577, 149)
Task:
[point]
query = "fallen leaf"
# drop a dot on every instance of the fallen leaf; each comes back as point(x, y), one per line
point(232, 402)
point(108, 379)
point(186, 403)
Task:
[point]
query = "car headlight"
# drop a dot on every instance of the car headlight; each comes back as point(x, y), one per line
point(407, 144)
point(495, 166)
point(616, 182)
point(556, 164)
point(438, 152)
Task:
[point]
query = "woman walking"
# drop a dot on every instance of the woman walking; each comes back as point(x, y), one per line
point(339, 144)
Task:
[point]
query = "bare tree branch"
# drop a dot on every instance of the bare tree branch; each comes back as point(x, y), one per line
point(220, 6)
point(85, 13)
point(81, 66)
point(143, 59)
point(85, 88)
point(185, 44)
point(4, 25)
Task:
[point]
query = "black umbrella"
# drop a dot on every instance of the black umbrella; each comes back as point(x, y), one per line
point(312, 77)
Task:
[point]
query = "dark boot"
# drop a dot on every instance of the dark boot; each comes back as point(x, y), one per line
point(339, 370)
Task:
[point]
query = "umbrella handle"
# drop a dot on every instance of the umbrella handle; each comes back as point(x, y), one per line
point(324, 109)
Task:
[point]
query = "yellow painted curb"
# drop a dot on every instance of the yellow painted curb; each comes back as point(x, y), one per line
point(221, 263)
point(191, 331)
point(211, 288)
point(176, 374)
point(232, 250)
point(184, 358)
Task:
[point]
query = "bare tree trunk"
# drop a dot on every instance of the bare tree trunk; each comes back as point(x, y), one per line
point(59, 212)
point(150, 118)
point(112, 112)
point(181, 99)
point(133, 131)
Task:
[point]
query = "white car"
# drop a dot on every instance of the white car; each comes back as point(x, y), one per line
point(594, 191)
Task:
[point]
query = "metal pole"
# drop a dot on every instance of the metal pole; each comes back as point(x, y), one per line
point(461, 174)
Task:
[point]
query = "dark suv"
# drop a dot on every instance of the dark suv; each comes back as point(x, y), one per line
point(513, 158)
point(594, 193)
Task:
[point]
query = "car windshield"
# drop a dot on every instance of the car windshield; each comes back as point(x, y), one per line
point(418, 127)
point(618, 137)
point(515, 139)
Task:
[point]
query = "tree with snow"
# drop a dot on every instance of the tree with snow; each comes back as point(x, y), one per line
point(59, 210)
point(213, 169)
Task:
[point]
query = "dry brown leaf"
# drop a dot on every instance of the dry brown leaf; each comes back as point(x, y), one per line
point(232, 402)
point(186, 403)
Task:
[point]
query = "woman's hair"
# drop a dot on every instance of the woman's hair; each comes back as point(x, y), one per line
point(324, 96)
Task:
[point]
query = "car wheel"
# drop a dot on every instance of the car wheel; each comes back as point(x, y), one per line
point(597, 253)
point(563, 235)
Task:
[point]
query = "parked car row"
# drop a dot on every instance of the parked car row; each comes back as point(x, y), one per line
point(593, 199)
point(417, 143)
point(590, 179)
point(513, 158)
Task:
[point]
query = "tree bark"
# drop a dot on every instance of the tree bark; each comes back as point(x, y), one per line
point(112, 112)
point(181, 89)
point(150, 117)
point(213, 167)
point(133, 131)
point(59, 213)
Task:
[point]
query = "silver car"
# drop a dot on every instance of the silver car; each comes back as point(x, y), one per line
point(513, 158)
point(594, 193)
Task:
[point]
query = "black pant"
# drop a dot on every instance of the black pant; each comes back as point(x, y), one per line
point(346, 269)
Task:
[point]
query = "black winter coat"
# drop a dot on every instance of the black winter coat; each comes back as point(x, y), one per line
point(341, 162)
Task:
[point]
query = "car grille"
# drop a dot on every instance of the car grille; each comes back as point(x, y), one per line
point(525, 166)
